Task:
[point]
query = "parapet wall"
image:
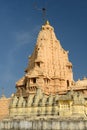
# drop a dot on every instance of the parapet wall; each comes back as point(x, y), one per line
point(41, 124)
point(56, 105)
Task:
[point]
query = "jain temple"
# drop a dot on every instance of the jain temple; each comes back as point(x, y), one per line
point(47, 89)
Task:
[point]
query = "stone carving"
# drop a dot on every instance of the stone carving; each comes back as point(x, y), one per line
point(30, 100)
point(37, 98)
point(14, 102)
point(19, 91)
point(36, 101)
point(44, 100)
point(81, 98)
point(78, 98)
point(49, 105)
point(50, 100)
point(56, 99)
point(39, 93)
point(24, 103)
point(82, 82)
point(20, 102)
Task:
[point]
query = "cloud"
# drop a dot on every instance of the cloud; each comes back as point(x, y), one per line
point(21, 38)
point(24, 37)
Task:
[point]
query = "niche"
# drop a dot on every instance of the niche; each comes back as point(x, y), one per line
point(46, 81)
point(38, 64)
point(67, 83)
point(33, 80)
point(69, 67)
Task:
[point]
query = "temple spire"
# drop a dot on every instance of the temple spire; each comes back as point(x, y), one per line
point(49, 67)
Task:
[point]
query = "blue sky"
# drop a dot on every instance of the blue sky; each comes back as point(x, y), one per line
point(20, 23)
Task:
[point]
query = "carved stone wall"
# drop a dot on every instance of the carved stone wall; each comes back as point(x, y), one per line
point(4, 107)
point(40, 104)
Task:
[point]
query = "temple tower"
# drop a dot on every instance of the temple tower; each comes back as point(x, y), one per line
point(49, 67)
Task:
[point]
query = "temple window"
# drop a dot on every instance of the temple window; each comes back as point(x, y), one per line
point(48, 28)
point(67, 83)
point(33, 80)
point(69, 67)
point(38, 64)
point(32, 88)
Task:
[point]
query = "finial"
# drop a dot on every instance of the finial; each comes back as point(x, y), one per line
point(47, 22)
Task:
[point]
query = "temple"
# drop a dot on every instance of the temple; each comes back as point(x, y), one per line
point(48, 87)
point(49, 67)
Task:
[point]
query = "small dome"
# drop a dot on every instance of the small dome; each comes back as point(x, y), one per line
point(82, 82)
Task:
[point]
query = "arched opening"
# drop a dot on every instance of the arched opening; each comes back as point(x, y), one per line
point(68, 83)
